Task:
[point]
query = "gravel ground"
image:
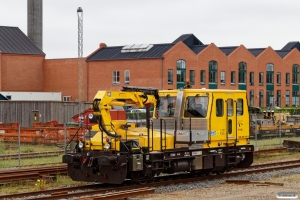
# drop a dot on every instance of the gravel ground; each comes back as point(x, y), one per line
point(219, 190)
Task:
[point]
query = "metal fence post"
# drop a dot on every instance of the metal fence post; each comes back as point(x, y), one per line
point(19, 140)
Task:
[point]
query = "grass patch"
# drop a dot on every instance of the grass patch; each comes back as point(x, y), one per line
point(30, 186)
point(2, 147)
point(13, 148)
point(271, 143)
point(274, 157)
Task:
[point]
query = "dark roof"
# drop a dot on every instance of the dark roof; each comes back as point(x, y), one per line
point(114, 53)
point(157, 51)
point(188, 40)
point(197, 48)
point(289, 46)
point(282, 53)
point(14, 41)
point(256, 51)
point(227, 50)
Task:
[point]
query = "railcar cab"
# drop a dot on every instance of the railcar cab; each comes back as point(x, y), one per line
point(214, 118)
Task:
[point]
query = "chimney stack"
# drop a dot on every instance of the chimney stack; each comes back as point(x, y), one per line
point(35, 22)
point(102, 45)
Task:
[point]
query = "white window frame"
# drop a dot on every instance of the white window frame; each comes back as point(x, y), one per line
point(170, 76)
point(261, 78)
point(278, 78)
point(232, 78)
point(287, 79)
point(126, 76)
point(223, 77)
point(116, 77)
point(202, 75)
point(67, 98)
point(251, 78)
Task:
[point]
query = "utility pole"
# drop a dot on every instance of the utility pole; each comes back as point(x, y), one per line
point(80, 64)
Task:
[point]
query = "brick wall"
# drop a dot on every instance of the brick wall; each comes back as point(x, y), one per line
point(143, 73)
point(22, 72)
point(61, 75)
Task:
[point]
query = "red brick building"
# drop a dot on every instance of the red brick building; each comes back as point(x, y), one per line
point(271, 77)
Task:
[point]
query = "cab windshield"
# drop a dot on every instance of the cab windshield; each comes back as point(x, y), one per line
point(166, 106)
point(196, 106)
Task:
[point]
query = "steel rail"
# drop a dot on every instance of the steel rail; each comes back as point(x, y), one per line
point(31, 173)
point(121, 194)
point(31, 155)
point(264, 151)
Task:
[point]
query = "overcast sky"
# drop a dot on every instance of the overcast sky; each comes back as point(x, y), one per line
point(253, 23)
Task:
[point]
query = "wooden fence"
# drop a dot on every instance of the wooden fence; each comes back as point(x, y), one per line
point(28, 112)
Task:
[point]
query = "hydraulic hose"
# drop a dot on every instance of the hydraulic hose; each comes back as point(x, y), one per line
point(105, 130)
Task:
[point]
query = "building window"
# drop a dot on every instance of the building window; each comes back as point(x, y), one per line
point(251, 78)
point(270, 97)
point(261, 98)
point(242, 72)
point(126, 76)
point(287, 78)
point(295, 98)
point(295, 78)
point(232, 78)
point(192, 77)
point(223, 78)
point(181, 71)
point(67, 98)
point(213, 69)
point(261, 78)
point(116, 77)
point(278, 78)
point(170, 76)
point(251, 97)
point(287, 98)
point(277, 100)
point(202, 77)
point(270, 73)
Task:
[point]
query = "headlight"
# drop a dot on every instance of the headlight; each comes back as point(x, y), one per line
point(91, 115)
point(80, 145)
point(107, 146)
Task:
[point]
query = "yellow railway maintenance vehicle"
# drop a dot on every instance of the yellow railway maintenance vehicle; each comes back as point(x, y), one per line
point(191, 130)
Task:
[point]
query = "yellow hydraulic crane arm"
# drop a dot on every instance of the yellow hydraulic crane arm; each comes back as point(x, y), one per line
point(130, 96)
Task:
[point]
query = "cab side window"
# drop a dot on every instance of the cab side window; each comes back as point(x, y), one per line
point(219, 107)
point(240, 106)
point(229, 107)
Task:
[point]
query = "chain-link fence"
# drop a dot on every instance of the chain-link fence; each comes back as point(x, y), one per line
point(270, 128)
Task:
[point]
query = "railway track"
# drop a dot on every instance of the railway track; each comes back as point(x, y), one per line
point(264, 151)
point(87, 190)
point(31, 155)
point(31, 173)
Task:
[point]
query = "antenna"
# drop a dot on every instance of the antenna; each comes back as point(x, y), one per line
point(80, 65)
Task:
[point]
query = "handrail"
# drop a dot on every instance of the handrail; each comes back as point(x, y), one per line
point(165, 134)
point(151, 122)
